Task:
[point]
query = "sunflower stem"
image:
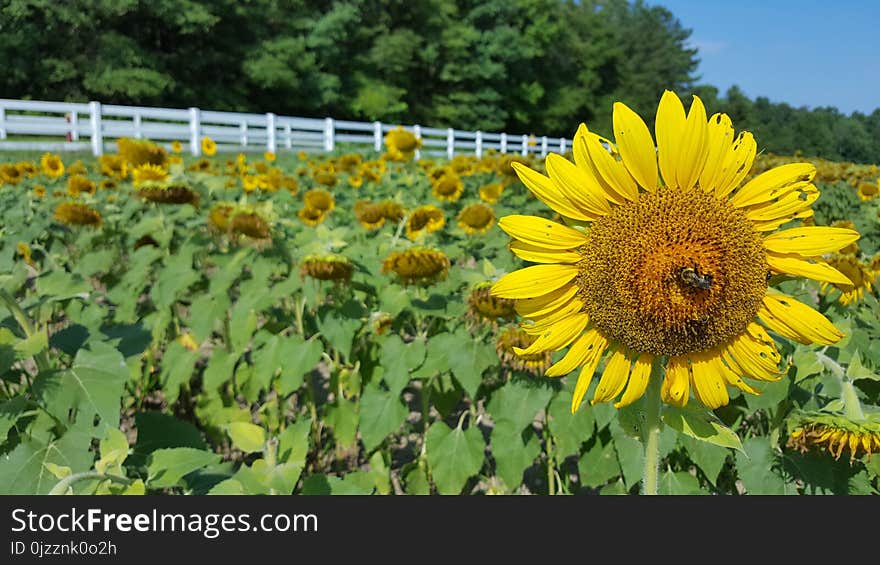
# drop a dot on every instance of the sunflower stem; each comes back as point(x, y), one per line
point(852, 408)
point(41, 358)
point(651, 433)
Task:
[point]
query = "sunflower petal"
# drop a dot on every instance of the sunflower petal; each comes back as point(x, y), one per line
point(613, 377)
point(693, 149)
point(730, 375)
point(719, 139)
point(708, 381)
point(736, 165)
point(534, 281)
point(638, 380)
point(584, 378)
point(580, 188)
point(557, 336)
point(612, 171)
point(636, 146)
point(796, 265)
point(542, 232)
point(545, 322)
point(547, 192)
point(810, 241)
point(546, 303)
point(773, 184)
point(535, 254)
point(676, 384)
point(669, 126)
point(585, 163)
point(807, 324)
point(590, 343)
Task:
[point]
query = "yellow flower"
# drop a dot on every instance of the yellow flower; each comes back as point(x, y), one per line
point(491, 192)
point(52, 165)
point(669, 273)
point(370, 215)
point(424, 219)
point(187, 340)
point(141, 152)
point(24, 250)
point(418, 265)
point(318, 199)
point(355, 181)
point(78, 184)
point(485, 308)
point(10, 174)
point(860, 278)
point(311, 216)
point(76, 214)
point(249, 183)
point(401, 144)
point(169, 194)
point(327, 267)
point(209, 148)
point(39, 190)
point(176, 146)
point(77, 168)
point(868, 190)
point(269, 156)
point(514, 339)
point(476, 219)
point(836, 434)
point(448, 187)
point(149, 174)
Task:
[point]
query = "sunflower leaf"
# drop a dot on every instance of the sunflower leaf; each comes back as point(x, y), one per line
point(702, 425)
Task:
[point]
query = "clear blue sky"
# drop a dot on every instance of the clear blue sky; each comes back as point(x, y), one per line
point(806, 53)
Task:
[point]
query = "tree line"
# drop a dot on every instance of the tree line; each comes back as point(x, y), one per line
point(519, 66)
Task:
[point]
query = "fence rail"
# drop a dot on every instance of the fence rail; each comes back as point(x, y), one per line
point(62, 126)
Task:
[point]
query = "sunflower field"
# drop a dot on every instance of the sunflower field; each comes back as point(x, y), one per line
point(332, 324)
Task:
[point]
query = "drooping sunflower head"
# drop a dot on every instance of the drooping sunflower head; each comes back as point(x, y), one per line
point(141, 152)
point(250, 223)
point(149, 175)
point(835, 434)
point(370, 214)
point(663, 258)
point(311, 216)
point(491, 192)
point(176, 193)
point(448, 187)
point(401, 144)
point(424, 219)
point(76, 214)
point(219, 216)
point(78, 184)
point(476, 219)
point(393, 210)
point(514, 339)
point(318, 199)
point(417, 265)
point(485, 308)
point(52, 165)
point(330, 267)
point(209, 147)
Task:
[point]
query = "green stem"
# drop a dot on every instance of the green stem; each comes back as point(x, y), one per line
point(852, 408)
point(551, 467)
point(41, 358)
point(651, 433)
point(65, 483)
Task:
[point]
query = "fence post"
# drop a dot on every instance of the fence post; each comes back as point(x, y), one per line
point(525, 144)
point(504, 143)
point(329, 134)
point(74, 126)
point(417, 131)
point(97, 130)
point(195, 131)
point(270, 132)
point(544, 146)
point(478, 144)
point(450, 143)
point(288, 137)
point(562, 146)
point(377, 136)
point(243, 134)
point(2, 122)
point(138, 133)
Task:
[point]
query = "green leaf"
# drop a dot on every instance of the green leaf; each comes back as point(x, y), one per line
point(166, 467)
point(381, 413)
point(569, 430)
point(708, 457)
point(512, 455)
point(24, 471)
point(756, 466)
point(630, 454)
point(807, 363)
point(700, 424)
point(381, 473)
point(178, 365)
point(343, 418)
point(856, 370)
point(393, 299)
point(771, 395)
point(220, 369)
point(398, 359)
point(172, 282)
point(680, 482)
point(415, 481)
point(156, 430)
point(10, 412)
point(468, 358)
point(359, 482)
point(293, 442)
point(33, 344)
point(517, 404)
point(300, 357)
point(60, 285)
point(228, 486)
point(598, 465)
point(454, 455)
point(246, 436)
point(339, 332)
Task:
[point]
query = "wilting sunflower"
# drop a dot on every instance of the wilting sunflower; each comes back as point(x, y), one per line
point(419, 265)
point(329, 267)
point(149, 174)
point(476, 219)
point(401, 144)
point(485, 308)
point(448, 187)
point(170, 194)
point(52, 165)
point(311, 216)
point(424, 219)
point(78, 184)
point(370, 214)
point(320, 200)
point(490, 193)
point(209, 147)
point(76, 214)
point(836, 434)
point(393, 211)
point(251, 224)
point(513, 339)
point(673, 272)
point(219, 216)
point(869, 190)
point(860, 275)
point(233, 218)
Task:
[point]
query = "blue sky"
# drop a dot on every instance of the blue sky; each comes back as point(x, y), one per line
point(806, 53)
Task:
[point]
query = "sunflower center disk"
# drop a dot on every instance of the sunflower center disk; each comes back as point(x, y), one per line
point(676, 272)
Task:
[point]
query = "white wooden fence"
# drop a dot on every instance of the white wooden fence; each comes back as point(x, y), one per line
point(63, 126)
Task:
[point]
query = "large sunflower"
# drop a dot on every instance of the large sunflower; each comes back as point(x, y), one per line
point(670, 273)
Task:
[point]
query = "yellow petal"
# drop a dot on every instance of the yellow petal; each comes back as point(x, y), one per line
point(755, 359)
point(537, 254)
point(708, 381)
point(676, 384)
point(719, 139)
point(795, 265)
point(612, 171)
point(729, 375)
point(589, 344)
point(585, 163)
point(773, 184)
point(544, 304)
point(736, 165)
point(583, 382)
point(557, 336)
point(613, 377)
point(534, 281)
point(810, 241)
point(693, 148)
point(580, 188)
point(638, 380)
point(636, 146)
point(537, 326)
point(786, 208)
point(542, 232)
point(669, 126)
point(808, 324)
point(547, 192)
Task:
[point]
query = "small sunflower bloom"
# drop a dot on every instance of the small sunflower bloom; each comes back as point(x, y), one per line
point(869, 190)
point(149, 174)
point(369, 214)
point(209, 147)
point(448, 187)
point(487, 309)
point(52, 165)
point(329, 267)
point(176, 146)
point(269, 157)
point(401, 144)
point(674, 267)
point(78, 184)
point(76, 214)
point(318, 199)
point(490, 193)
point(476, 219)
point(311, 216)
point(424, 219)
point(417, 265)
point(860, 276)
